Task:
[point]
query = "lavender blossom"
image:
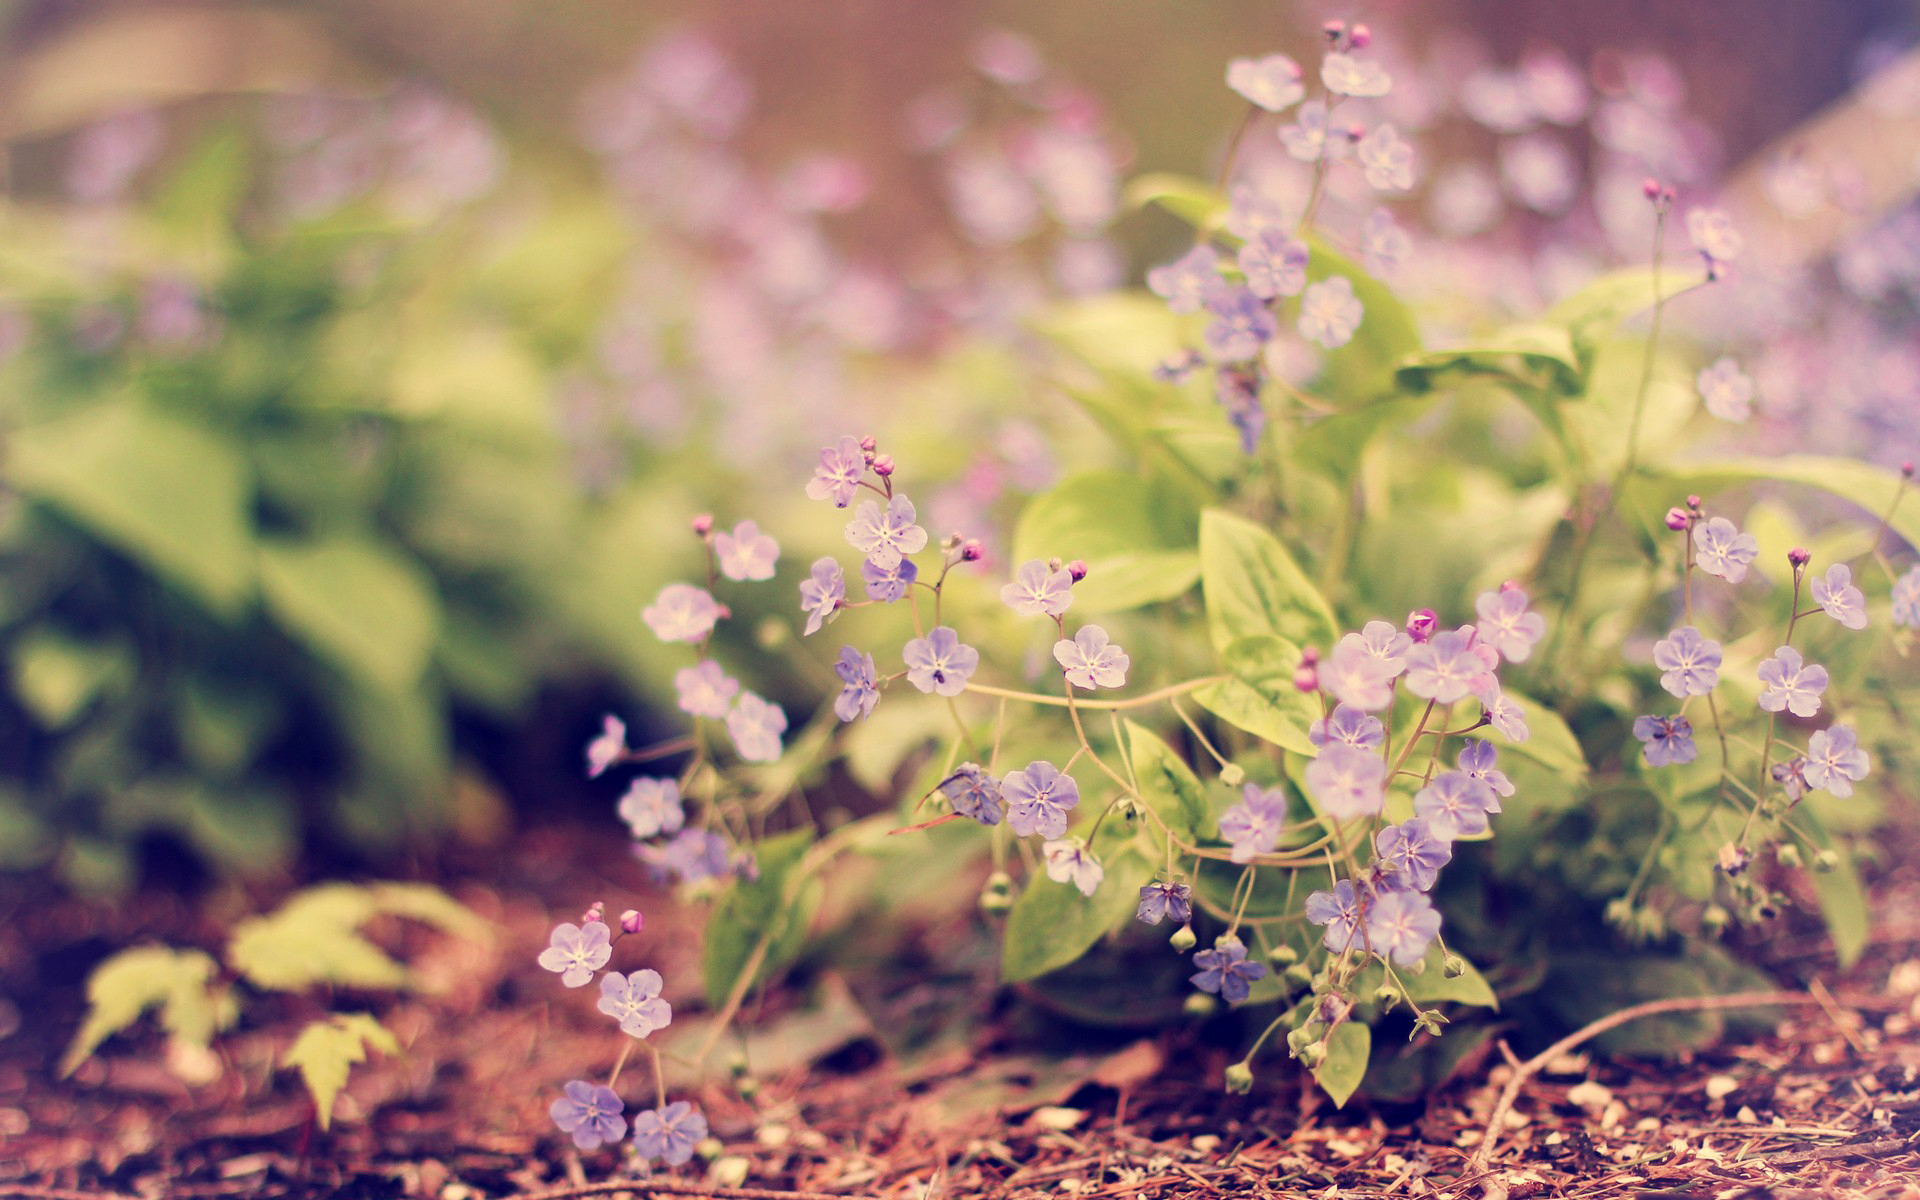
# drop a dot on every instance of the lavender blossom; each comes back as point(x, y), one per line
point(1038, 800)
point(823, 593)
point(1791, 683)
point(1253, 826)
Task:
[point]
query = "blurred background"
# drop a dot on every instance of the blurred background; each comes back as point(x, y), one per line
point(361, 363)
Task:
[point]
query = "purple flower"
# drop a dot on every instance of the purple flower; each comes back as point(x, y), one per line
point(1309, 139)
point(705, 690)
point(1068, 861)
point(1272, 82)
point(886, 537)
point(1476, 760)
point(681, 613)
point(940, 663)
point(1386, 159)
point(1274, 264)
point(1165, 901)
point(1346, 75)
point(575, 953)
point(1504, 714)
point(1091, 661)
point(1839, 599)
point(839, 473)
point(1456, 805)
point(1669, 740)
point(1727, 393)
point(746, 553)
point(1241, 324)
point(822, 594)
point(669, 1133)
point(591, 1113)
point(1721, 549)
point(1906, 599)
point(652, 807)
point(1402, 925)
point(1237, 388)
point(755, 727)
point(1835, 761)
point(1036, 590)
point(1792, 684)
point(1713, 235)
point(1330, 312)
point(1225, 971)
point(1409, 855)
point(1384, 245)
point(607, 749)
point(1506, 624)
point(1443, 668)
point(1792, 777)
point(1185, 282)
point(634, 1001)
point(1253, 826)
point(974, 793)
point(887, 584)
point(1347, 725)
point(692, 856)
point(1356, 677)
point(1339, 911)
point(859, 685)
point(1038, 800)
point(1690, 663)
point(1347, 782)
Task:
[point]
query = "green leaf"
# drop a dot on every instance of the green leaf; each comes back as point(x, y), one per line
point(1529, 357)
point(1348, 1049)
point(1591, 314)
point(360, 604)
point(177, 982)
point(313, 937)
point(1198, 204)
point(1254, 588)
point(1363, 369)
point(1052, 924)
point(1843, 901)
point(327, 1049)
point(57, 678)
point(1550, 742)
point(755, 909)
point(1122, 335)
point(1136, 536)
point(1261, 698)
point(1167, 784)
point(173, 495)
point(1428, 983)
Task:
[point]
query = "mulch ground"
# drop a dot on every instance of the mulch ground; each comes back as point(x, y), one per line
point(1827, 1103)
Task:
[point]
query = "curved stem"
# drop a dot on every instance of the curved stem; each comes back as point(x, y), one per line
point(1154, 697)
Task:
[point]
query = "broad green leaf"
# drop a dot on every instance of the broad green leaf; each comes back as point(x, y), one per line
point(1843, 901)
point(1124, 333)
point(1428, 983)
point(1529, 357)
point(755, 909)
point(328, 1048)
point(172, 495)
point(1136, 536)
point(1363, 369)
point(1591, 314)
point(1348, 1049)
point(1052, 924)
point(177, 982)
point(56, 678)
point(1167, 784)
point(1549, 742)
point(1261, 698)
point(362, 605)
point(313, 937)
point(1198, 204)
point(1254, 588)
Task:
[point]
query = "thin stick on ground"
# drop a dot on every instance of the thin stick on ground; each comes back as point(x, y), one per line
point(667, 1187)
point(1652, 1008)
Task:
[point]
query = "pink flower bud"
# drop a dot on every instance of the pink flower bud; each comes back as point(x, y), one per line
point(1309, 655)
point(595, 912)
point(1799, 556)
point(1306, 678)
point(972, 550)
point(1361, 38)
point(1693, 502)
point(1906, 470)
point(883, 465)
point(1677, 518)
point(1421, 623)
point(868, 444)
point(631, 921)
point(702, 524)
point(1334, 29)
point(1650, 188)
point(1078, 569)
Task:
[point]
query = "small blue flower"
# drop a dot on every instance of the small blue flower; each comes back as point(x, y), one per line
point(652, 807)
point(1791, 683)
point(1347, 782)
point(634, 1001)
point(607, 749)
point(1346, 75)
point(1272, 82)
point(1225, 971)
point(1241, 324)
point(1839, 599)
point(1409, 855)
point(692, 856)
point(591, 1113)
point(746, 553)
point(669, 1133)
point(859, 685)
point(1445, 667)
point(973, 793)
point(1402, 925)
point(1330, 312)
point(1669, 740)
point(575, 953)
point(1165, 902)
point(1506, 624)
point(1726, 391)
point(1721, 549)
point(1349, 726)
point(1038, 800)
point(1237, 388)
point(1091, 661)
point(887, 535)
point(1456, 805)
point(1357, 677)
point(821, 594)
point(1274, 264)
point(1386, 159)
point(681, 613)
point(1253, 826)
point(1835, 761)
point(1477, 759)
point(1185, 282)
point(705, 690)
point(1069, 861)
point(940, 663)
point(887, 584)
point(1384, 245)
point(755, 727)
point(1504, 714)
point(839, 473)
point(1309, 138)
point(1339, 911)
point(1906, 599)
point(1690, 663)
point(1713, 235)
point(1037, 590)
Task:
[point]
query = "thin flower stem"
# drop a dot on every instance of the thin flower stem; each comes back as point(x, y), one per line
point(625, 1049)
point(1198, 736)
point(659, 1074)
point(1407, 749)
point(1766, 747)
point(1150, 698)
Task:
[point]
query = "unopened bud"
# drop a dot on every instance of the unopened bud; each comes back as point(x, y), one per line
point(1677, 518)
point(1799, 556)
point(1200, 1005)
point(1788, 854)
point(1298, 976)
point(1421, 623)
point(1183, 939)
point(1714, 918)
point(1693, 502)
point(868, 444)
point(710, 1149)
point(997, 896)
point(972, 550)
point(597, 911)
point(1333, 30)
point(1310, 655)
point(1454, 967)
point(1826, 860)
point(1283, 955)
point(1239, 1079)
point(883, 465)
point(702, 524)
point(1306, 678)
point(1299, 1040)
point(1906, 470)
point(747, 1086)
point(1361, 37)
point(1232, 775)
point(1078, 569)
point(1311, 1056)
point(1650, 188)
point(737, 1065)
point(631, 921)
